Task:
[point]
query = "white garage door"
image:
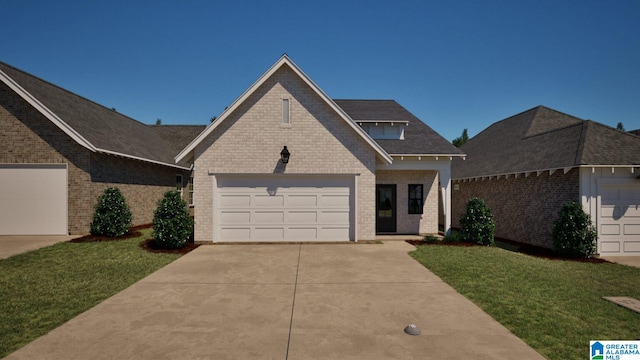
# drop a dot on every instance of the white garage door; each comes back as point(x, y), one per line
point(619, 219)
point(284, 208)
point(33, 199)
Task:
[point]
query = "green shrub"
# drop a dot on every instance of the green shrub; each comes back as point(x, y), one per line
point(172, 224)
point(453, 237)
point(574, 235)
point(431, 239)
point(477, 223)
point(112, 216)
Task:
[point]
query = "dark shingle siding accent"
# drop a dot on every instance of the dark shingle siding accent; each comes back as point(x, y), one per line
point(419, 138)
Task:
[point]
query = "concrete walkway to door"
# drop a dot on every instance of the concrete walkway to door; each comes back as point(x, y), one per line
point(347, 301)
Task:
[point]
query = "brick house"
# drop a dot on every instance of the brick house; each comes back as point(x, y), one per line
point(354, 168)
point(59, 151)
point(526, 167)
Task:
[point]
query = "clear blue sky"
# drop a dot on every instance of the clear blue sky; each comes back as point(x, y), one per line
point(454, 64)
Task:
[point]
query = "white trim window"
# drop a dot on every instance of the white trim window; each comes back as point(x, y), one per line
point(286, 117)
point(179, 183)
point(190, 191)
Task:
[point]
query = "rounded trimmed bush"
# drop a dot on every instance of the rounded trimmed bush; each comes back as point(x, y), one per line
point(574, 235)
point(172, 224)
point(477, 224)
point(112, 216)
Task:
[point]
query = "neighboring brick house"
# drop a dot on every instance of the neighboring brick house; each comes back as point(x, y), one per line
point(355, 167)
point(59, 151)
point(527, 166)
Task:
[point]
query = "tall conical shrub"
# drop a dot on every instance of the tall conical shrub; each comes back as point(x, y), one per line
point(112, 216)
point(172, 224)
point(574, 235)
point(477, 223)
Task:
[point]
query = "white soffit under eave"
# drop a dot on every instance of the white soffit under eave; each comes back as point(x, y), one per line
point(284, 60)
point(46, 112)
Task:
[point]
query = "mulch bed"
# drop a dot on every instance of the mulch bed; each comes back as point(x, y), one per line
point(148, 244)
point(526, 249)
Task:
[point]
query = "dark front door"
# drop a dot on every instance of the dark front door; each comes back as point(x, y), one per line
point(385, 208)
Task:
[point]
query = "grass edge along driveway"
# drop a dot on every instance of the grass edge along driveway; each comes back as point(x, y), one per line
point(42, 289)
point(555, 306)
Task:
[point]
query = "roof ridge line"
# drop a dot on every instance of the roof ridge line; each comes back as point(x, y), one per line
point(581, 142)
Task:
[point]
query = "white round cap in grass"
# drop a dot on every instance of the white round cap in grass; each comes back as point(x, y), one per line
point(412, 329)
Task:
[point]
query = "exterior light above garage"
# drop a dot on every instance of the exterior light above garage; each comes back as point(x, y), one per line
point(284, 155)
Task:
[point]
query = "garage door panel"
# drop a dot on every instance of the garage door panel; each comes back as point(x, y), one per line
point(298, 234)
point(335, 217)
point(235, 217)
point(269, 216)
point(631, 211)
point(268, 233)
point(632, 229)
point(295, 208)
point(33, 199)
point(269, 200)
point(619, 219)
point(610, 246)
point(632, 247)
point(302, 200)
point(334, 232)
point(238, 234)
point(303, 216)
point(610, 229)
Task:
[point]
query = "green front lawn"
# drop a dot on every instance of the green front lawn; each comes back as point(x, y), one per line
point(555, 306)
point(42, 289)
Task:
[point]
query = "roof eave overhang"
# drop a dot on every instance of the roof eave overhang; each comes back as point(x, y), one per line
point(46, 112)
point(450, 156)
point(284, 60)
point(109, 152)
point(66, 128)
point(538, 172)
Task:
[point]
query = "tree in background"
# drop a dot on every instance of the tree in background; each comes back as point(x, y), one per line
point(158, 121)
point(620, 127)
point(461, 140)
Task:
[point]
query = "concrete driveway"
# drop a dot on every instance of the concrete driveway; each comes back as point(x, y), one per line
point(13, 245)
point(284, 302)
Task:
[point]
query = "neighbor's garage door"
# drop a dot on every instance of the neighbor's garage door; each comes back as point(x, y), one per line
point(33, 199)
point(619, 219)
point(284, 208)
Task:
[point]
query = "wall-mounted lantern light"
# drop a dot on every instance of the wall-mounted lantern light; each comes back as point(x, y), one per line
point(284, 155)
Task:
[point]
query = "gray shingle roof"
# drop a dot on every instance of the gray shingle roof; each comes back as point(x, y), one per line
point(104, 128)
point(177, 137)
point(543, 138)
point(419, 138)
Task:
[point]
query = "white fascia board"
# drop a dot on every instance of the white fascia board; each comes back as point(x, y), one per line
point(430, 155)
point(108, 152)
point(284, 60)
point(46, 111)
point(564, 169)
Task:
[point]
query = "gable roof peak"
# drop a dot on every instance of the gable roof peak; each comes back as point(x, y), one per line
point(282, 61)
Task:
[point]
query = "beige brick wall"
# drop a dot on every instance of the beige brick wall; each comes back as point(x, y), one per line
point(26, 136)
point(250, 140)
point(524, 208)
point(425, 223)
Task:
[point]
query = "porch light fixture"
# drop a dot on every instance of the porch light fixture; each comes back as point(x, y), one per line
point(284, 155)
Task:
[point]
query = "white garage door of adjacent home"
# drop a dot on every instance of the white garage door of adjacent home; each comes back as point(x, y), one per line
point(284, 208)
point(33, 199)
point(619, 219)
